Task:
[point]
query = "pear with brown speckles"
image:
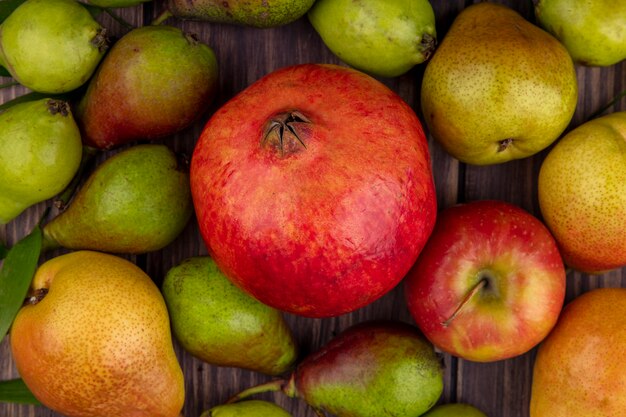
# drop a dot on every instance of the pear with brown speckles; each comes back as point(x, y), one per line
point(93, 340)
point(498, 88)
point(582, 194)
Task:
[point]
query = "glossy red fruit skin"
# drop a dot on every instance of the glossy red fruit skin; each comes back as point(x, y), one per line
point(320, 228)
point(523, 299)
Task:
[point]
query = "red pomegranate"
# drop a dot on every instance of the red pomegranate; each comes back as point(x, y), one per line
point(313, 189)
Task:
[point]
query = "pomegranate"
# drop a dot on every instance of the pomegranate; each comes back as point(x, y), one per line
point(313, 189)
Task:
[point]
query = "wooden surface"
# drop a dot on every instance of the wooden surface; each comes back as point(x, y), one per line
point(501, 389)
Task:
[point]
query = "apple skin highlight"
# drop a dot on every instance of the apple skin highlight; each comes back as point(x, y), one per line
point(490, 283)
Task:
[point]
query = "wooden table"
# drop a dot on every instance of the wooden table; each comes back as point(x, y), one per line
point(501, 389)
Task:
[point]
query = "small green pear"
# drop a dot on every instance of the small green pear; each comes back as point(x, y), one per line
point(498, 88)
point(135, 202)
point(40, 151)
point(253, 408)
point(385, 38)
point(220, 324)
point(594, 32)
point(455, 410)
point(376, 368)
point(155, 81)
point(51, 46)
point(256, 13)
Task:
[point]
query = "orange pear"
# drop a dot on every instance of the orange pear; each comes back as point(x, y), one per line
point(579, 370)
point(93, 340)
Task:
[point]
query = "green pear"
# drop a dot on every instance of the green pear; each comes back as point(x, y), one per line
point(135, 202)
point(51, 46)
point(40, 151)
point(455, 410)
point(256, 13)
point(593, 31)
point(498, 87)
point(376, 368)
point(385, 38)
point(155, 81)
point(253, 408)
point(220, 324)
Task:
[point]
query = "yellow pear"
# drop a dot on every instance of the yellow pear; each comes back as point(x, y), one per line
point(498, 87)
point(582, 194)
point(93, 340)
point(579, 370)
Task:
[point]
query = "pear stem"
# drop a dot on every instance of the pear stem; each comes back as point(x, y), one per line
point(607, 106)
point(319, 412)
point(272, 386)
point(63, 199)
point(479, 286)
point(8, 85)
point(162, 18)
point(117, 18)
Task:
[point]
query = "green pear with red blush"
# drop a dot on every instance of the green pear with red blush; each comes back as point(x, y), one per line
point(155, 81)
point(377, 368)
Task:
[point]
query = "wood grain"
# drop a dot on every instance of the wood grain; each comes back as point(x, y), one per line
point(501, 389)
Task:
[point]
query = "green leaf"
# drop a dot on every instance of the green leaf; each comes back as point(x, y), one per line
point(7, 7)
point(16, 391)
point(15, 277)
point(4, 72)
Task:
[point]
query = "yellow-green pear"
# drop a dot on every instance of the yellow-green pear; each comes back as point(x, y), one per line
point(385, 38)
point(582, 194)
point(498, 87)
point(51, 46)
point(593, 31)
point(93, 340)
point(40, 151)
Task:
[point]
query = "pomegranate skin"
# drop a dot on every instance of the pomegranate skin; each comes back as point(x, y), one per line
point(313, 189)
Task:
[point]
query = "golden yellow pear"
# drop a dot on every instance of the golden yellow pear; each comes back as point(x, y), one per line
point(93, 340)
point(579, 370)
point(582, 194)
point(498, 87)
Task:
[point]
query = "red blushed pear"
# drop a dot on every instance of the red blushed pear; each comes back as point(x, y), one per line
point(489, 284)
point(375, 368)
point(155, 81)
point(313, 189)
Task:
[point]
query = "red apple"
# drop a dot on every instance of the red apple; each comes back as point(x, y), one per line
point(313, 189)
point(489, 284)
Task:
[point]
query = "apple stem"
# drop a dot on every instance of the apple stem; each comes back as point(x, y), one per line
point(479, 286)
point(271, 386)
